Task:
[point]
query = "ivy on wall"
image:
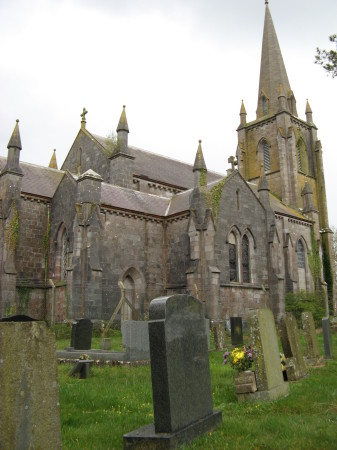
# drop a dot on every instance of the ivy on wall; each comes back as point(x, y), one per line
point(314, 260)
point(12, 230)
point(213, 197)
point(328, 274)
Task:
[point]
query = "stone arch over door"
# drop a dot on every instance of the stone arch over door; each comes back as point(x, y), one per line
point(134, 283)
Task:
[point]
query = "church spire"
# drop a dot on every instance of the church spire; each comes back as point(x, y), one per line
point(14, 148)
point(53, 162)
point(199, 163)
point(272, 72)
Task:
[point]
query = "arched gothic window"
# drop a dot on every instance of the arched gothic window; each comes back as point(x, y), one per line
point(64, 255)
point(233, 272)
point(264, 105)
point(245, 259)
point(300, 255)
point(266, 156)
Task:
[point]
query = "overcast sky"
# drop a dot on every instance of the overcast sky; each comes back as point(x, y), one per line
point(180, 67)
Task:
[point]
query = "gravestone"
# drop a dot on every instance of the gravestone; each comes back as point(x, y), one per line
point(135, 335)
point(219, 334)
point(290, 340)
point(327, 337)
point(181, 384)
point(29, 406)
point(312, 356)
point(81, 334)
point(269, 378)
point(236, 331)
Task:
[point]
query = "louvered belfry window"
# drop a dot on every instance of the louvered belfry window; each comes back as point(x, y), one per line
point(266, 156)
point(245, 259)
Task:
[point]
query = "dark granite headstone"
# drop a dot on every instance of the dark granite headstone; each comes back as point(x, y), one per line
point(290, 340)
point(327, 337)
point(236, 331)
point(81, 334)
point(181, 385)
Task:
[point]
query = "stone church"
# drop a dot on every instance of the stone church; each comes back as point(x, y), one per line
point(115, 213)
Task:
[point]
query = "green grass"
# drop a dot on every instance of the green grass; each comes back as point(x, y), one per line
point(96, 412)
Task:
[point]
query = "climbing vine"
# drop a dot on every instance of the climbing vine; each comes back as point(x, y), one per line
point(328, 274)
point(12, 230)
point(45, 245)
point(203, 177)
point(213, 198)
point(314, 259)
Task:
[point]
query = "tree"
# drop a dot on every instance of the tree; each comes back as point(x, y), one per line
point(328, 58)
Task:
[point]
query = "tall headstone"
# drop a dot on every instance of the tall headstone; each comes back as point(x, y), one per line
point(327, 337)
point(219, 334)
point(312, 356)
point(29, 405)
point(81, 334)
point(236, 331)
point(290, 340)
point(181, 385)
point(269, 378)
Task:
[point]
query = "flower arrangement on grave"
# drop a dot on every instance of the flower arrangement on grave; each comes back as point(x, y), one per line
point(283, 362)
point(84, 357)
point(240, 358)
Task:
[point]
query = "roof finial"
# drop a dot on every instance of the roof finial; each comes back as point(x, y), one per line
point(83, 121)
point(266, 2)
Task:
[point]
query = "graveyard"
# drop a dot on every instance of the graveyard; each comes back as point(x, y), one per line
point(117, 398)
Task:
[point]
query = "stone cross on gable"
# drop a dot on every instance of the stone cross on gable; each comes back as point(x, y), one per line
point(232, 160)
point(83, 121)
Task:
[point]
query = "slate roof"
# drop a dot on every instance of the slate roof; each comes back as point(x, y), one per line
point(162, 169)
point(38, 180)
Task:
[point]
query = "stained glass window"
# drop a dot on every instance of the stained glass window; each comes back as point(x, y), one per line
point(245, 259)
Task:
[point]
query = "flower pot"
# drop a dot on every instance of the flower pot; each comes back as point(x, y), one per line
point(245, 382)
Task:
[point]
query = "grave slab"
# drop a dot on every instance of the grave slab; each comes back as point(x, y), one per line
point(327, 337)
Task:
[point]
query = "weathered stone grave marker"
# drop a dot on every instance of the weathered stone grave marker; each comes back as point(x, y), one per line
point(327, 337)
point(312, 356)
point(219, 334)
point(290, 340)
point(236, 331)
point(269, 378)
point(135, 336)
point(29, 406)
point(181, 385)
point(81, 334)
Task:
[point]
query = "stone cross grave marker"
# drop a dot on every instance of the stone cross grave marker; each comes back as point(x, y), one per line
point(181, 384)
point(269, 378)
point(312, 356)
point(327, 337)
point(29, 406)
point(236, 331)
point(290, 340)
point(81, 334)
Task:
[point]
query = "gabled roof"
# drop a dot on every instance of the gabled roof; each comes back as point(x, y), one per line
point(162, 169)
point(37, 180)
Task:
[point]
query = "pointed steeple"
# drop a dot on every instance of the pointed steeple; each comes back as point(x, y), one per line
point(123, 123)
point(199, 163)
point(308, 112)
point(272, 72)
point(13, 155)
point(243, 114)
point(53, 162)
point(15, 140)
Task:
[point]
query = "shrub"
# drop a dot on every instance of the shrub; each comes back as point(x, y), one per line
point(302, 301)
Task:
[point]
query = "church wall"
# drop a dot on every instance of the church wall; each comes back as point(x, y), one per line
point(178, 254)
point(131, 246)
point(91, 157)
point(31, 249)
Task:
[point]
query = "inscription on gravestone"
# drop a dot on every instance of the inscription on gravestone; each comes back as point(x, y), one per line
point(236, 331)
point(81, 334)
point(181, 384)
